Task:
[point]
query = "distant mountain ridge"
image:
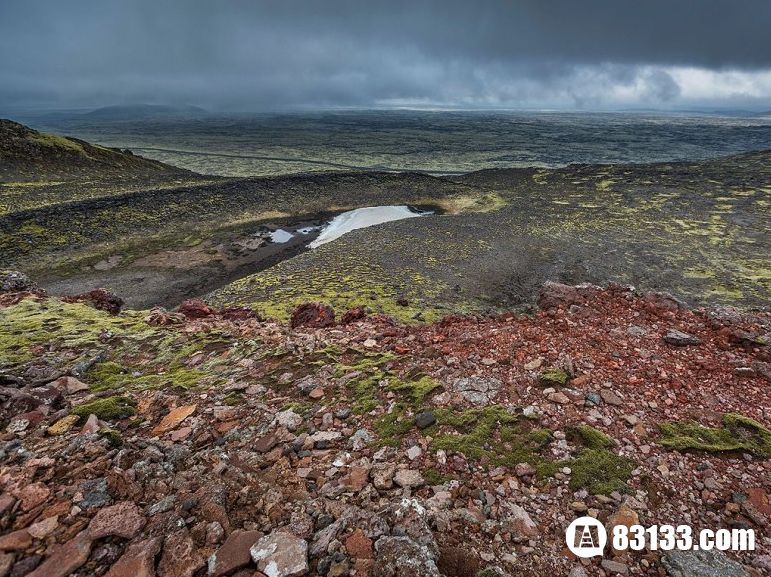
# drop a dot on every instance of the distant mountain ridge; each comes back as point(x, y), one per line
point(139, 111)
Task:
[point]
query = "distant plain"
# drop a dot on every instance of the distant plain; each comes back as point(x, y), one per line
point(444, 142)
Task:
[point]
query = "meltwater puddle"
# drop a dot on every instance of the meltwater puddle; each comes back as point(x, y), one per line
point(362, 218)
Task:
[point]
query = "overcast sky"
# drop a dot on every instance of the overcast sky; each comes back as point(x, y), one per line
point(274, 54)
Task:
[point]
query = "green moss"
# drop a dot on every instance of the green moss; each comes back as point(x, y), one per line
point(53, 323)
point(491, 433)
point(234, 399)
point(599, 471)
point(546, 469)
point(365, 387)
point(418, 390)
point(434, 477)
point(392, 426)
point(365, 390)
point(552, 377)
point(113, 437)
point(107, 409)
point(590, 437)
point(298, 407)
point(739, 433)
point(108, 375)
point(136, 422)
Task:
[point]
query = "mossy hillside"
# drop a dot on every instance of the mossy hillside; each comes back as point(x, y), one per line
point(72, 329)
point(658, 227)
point(135, 355)
point(350, 282)
point(54, 141)
point(28, 155)
point(738, 434)
point(71, 228)
point(24, 195)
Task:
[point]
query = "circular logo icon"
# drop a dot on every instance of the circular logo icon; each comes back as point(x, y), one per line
point(586, 537)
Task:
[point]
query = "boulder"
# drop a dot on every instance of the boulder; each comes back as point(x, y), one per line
point(234, 554)
point(403, 557)
point(138, 560)
point(180, 556)
point(100, 299)
point(281, 554)
point(123, 519)
point(14, 281)
point(313, 315)
point(680, 339)
point(67, 558)
point(553, 294)
point(353, 315)
point(702, 563)
point(195, 309)
point(479, 391)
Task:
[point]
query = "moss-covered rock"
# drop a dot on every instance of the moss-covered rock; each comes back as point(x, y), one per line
point(107, 409)
point(590, 437)
point(113, 437)
point(552, 377)
point(599, 471)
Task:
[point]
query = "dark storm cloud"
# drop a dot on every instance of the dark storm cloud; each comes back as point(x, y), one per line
point(267, 54)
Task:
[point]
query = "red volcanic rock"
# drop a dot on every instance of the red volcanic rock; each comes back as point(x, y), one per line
point(239, 314)
point(553, 294)
point(313, 315)
point(100, 299)
point(353, 315)
point(195, 309)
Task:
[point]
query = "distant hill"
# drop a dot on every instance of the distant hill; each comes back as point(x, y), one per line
point(26, 154)
point(140, 111)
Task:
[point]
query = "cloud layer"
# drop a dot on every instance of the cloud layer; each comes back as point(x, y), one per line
point(233, 54)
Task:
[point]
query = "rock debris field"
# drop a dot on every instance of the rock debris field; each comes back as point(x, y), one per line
point(215, 442)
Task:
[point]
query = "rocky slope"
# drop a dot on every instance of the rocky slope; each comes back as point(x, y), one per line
point(213, 442)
